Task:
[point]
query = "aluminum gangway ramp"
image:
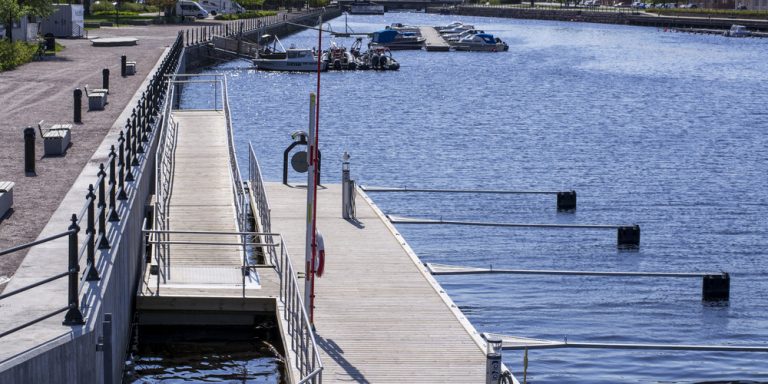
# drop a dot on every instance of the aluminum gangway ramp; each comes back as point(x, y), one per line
point(379, 316)
point(202, 200)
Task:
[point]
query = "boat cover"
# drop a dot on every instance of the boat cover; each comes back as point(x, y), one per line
point(384, 36)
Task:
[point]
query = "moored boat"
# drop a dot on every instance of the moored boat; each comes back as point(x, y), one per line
point(482, 42)
point(277, 58)
point(378, 58)
point(338, 58)
point(737, 31)
point(395, 40)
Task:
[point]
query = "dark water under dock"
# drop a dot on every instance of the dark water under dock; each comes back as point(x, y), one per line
point(666, 130)
point(194, 354)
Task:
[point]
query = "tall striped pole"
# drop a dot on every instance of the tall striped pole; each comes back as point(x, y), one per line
point(310, 247)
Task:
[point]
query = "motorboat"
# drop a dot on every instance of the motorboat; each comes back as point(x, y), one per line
point(484, 42)
point(737, 31)
point(459, 36)
point(395, 40)
point(366, 8)
point(338, 58)
point(455, 24)
point(379, 58)
point(402, 28)
point(456, 29)
point(277, 58)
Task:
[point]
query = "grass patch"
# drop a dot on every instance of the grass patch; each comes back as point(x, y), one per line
point(246, 15)
point(15, 54)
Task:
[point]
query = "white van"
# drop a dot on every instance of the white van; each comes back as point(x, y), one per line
point(222, 7)
point(190, 8)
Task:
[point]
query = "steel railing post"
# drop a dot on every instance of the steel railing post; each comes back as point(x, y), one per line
point(73, 316)
point(90, 230)
point(103, 243)
point(121, 195)
point(113, 216)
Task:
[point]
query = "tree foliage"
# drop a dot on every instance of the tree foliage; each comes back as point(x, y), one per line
point(168, 6)
point(14, 10)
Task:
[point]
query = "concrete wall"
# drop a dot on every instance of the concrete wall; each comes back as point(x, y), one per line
point(584, 15)
point(202, 55)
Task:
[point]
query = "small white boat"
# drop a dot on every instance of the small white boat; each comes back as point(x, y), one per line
point(483, 42)
point(402, 28)
point(451, 29)
point(293, 59)
point(737, 31)
point(458, 36)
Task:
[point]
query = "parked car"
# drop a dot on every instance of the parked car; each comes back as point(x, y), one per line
point(638, 5)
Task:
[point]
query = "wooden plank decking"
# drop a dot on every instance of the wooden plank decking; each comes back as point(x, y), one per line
point(379, 317)
point(434, 42)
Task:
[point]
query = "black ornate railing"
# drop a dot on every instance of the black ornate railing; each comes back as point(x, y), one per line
point(114, 186)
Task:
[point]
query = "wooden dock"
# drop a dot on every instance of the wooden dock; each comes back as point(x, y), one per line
point(380, 317)
point(434, 42)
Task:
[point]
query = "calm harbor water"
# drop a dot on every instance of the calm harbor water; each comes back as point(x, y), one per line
point(665, 130)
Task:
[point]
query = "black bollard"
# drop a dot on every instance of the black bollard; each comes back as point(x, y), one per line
point(29, 150)
point(628, 237)
point(78, 95)
point(566, 201)
point(105, 78)
point(716, 287)
point(123, 65)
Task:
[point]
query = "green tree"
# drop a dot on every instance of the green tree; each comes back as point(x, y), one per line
point(12, 10)
point(168, 7)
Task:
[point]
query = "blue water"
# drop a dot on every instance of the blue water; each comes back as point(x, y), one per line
point(665, 130)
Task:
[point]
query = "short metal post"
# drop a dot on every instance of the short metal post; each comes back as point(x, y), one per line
point(345, 186)
point(493, 360)
point(29, 150)
point(123, 65)
point(73, 316)
point(105, 78)
point(103, 242)
point(130, 153)
point(78, 105)
point(113, 216)
point(90, 230)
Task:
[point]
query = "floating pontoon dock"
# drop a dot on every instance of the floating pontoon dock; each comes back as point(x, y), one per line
point(434, 42)
point(379, 316)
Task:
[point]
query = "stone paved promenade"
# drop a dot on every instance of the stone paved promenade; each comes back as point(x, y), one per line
point(43, 90)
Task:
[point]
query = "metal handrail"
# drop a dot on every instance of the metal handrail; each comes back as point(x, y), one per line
point(299, 328)
point(161, 238)
point(302, 334)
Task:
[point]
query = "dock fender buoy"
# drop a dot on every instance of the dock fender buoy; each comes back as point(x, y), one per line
point(320, 257)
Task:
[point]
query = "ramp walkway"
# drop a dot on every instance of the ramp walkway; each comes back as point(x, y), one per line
point(379, 316)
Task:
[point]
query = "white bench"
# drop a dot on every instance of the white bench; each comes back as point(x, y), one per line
point(6, 197)
point(97, 98)
point(56, 138)
point(130, 68)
